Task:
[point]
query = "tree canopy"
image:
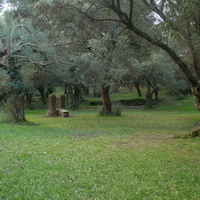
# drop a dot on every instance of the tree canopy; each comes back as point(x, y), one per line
point(86, 42)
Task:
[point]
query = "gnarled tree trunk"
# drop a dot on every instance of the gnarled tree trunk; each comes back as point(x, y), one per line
point(17, 107)
point(106, 102)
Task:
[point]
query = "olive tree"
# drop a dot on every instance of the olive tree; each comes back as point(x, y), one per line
point(160, 72)
point(108, 49)
point(20, 44)
point(172, 26)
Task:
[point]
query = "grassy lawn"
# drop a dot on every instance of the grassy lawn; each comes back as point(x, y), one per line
point(118, 95)
point(132, 157)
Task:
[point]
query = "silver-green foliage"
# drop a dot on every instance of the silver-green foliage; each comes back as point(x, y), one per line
point(162, 72)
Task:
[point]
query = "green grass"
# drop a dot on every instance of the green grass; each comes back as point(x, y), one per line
point(122, 94)
point(91, 157)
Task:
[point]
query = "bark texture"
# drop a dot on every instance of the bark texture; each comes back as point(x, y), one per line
point(17, 108)
point(76, 95)
point(106, 102)
point(196, 93)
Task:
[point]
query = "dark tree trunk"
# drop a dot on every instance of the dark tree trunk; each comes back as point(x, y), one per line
point(149, 96)
point(138, 91)
point(106, 102)
point(49, 90)
point(156, 95)
point(68, 89)
point(75, 99)
point(40, 88)
point(76, 96)
point(17, 108)
point(137, 86)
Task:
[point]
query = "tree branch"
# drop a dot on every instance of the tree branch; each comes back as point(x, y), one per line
point(160, 12)
point(131, 11)
point(118, 4)
point(167, 49)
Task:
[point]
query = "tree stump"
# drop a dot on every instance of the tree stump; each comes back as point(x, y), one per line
point(51, 105)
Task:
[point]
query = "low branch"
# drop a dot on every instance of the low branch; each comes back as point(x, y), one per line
point(167, 49)
point(131, 26)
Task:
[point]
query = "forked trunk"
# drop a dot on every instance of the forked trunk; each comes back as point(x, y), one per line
point(106, 102)
point(17, 108)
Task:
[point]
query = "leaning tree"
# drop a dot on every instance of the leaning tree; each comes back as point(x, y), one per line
point(172, 26)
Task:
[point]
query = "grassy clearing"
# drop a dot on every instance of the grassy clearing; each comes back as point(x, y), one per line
point(122, 94)
point(102, 158)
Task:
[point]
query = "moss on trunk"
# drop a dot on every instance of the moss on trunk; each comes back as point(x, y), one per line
point(191, 134)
